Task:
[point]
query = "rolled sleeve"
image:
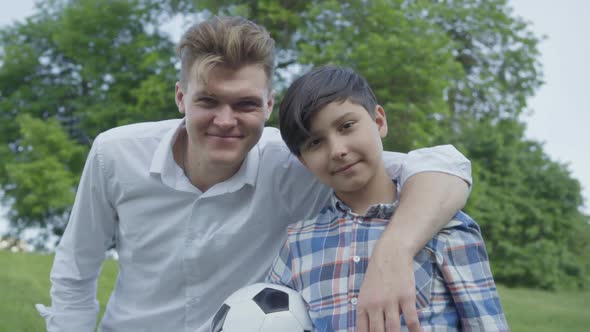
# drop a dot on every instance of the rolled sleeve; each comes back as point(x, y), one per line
point(442, 158)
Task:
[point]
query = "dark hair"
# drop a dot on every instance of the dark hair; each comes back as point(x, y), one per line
point(312, 92)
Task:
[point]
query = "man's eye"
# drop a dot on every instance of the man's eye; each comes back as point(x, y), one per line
point(207, 102)
point(248, 105)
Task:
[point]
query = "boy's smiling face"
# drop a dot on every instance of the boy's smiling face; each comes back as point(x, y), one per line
point(344, 150)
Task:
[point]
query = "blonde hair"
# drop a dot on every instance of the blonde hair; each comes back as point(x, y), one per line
point(229, 41)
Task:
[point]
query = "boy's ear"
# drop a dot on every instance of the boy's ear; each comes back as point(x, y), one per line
point(381, 121)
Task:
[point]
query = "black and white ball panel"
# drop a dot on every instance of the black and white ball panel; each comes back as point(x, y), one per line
point(262, 308)
point(272, 300)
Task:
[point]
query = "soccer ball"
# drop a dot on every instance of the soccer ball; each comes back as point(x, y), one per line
point(262, 308)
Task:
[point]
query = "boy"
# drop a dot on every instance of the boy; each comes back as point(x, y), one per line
point(331, 121)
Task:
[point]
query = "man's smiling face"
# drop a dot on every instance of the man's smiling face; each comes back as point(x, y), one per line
point(225, 117)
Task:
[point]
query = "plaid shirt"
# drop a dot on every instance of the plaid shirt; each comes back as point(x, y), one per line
point(325, 259)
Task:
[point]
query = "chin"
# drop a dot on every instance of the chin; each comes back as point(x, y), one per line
point(226, 159)
point(350, 186)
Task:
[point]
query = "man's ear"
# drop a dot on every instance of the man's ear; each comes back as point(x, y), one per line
point(179, 98)
point(381, 121)
point(269, 105)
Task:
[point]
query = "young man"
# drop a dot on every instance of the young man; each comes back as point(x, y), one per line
point(196, 207)
point(331, 121)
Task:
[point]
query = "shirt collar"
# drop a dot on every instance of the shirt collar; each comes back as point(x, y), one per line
point(247, 173)
point(377, 211)
point(163, 159)
point(163, 163)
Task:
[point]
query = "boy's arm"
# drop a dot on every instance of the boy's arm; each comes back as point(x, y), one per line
point(466, 271)
point(428, 200)
point(80, 254)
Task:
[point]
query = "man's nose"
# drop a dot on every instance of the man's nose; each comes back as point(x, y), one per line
point(225, 117)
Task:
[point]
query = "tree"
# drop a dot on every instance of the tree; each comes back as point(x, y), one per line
point(528, 209)
point(72, 70)
point(451, 71)
point(446, 71)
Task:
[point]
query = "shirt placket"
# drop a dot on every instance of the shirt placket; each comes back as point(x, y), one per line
point(190, 265)
point(358, 259)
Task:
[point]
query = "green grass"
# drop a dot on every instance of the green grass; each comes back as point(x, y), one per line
point(534, 310)
point(24, 281)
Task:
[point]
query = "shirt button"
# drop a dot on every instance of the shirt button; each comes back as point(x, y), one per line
point(353, 301)
point(356, 259)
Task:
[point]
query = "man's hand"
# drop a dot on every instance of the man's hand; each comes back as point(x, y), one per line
point(428, 201)
point(387, 290)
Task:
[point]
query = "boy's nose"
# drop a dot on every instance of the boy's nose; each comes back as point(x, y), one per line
point(338, 150)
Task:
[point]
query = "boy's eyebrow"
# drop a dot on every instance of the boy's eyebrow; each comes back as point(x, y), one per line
point(333, 123)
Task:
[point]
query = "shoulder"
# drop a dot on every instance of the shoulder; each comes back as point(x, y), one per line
point(134, 138)
point(272, 150)
point(131, 148)
point(322, 221)
point(277, 159)
point(271, 140)
point(138, 131)
point(461, 233)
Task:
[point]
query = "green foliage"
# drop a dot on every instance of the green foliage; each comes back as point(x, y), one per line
point(361, 34)
point(528, 208)
point(71, 71)
point(445, 71)
point(499, 55)
point(44, 172)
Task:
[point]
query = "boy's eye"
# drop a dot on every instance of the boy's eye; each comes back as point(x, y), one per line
point(347, 125)
point(312, 143)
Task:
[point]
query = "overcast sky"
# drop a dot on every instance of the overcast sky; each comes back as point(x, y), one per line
point(560, 111)
point(561, 108)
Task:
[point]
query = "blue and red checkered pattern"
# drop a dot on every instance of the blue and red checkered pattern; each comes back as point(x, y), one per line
point(325, 259)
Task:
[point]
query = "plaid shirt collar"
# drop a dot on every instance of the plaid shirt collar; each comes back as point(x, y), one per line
point(377, 211)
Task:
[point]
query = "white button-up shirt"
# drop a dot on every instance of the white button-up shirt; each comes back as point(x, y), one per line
point(182, 251)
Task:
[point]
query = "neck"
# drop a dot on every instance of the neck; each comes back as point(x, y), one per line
point(379, 190)
point(201, 174)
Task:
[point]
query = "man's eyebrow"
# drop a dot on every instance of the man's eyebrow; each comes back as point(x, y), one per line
point(203, 94)
point(257, 99)
point(235, 98)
